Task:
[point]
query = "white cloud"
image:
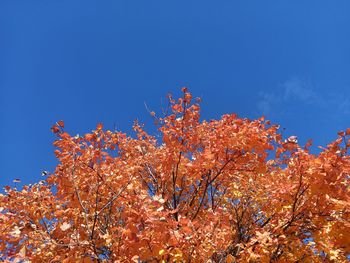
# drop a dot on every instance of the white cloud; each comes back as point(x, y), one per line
point(299, 90)
point(341, 102)
point(265, 105)
point(292, 93)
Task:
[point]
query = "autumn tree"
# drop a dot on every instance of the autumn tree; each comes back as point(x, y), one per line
point(227, 190)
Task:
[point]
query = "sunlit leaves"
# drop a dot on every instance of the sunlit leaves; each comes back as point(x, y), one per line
point(227, 190)
point(65, 226)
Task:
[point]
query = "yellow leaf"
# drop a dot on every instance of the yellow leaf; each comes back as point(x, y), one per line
point(15, 232)
point(65, 226)
point(287, 207)
point(22, 252)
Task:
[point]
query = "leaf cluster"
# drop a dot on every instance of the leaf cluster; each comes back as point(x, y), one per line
point(227, 190)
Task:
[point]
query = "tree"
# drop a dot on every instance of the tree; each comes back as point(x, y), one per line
point(227, 190)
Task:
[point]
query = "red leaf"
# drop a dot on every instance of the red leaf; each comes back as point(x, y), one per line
point(99, 126)
point(55, 129)
point(184, 89)
point(60, 124)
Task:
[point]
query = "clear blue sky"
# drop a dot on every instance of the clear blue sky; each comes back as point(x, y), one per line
point(98, 61)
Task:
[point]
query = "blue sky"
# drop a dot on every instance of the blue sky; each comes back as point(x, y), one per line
point(98, 61)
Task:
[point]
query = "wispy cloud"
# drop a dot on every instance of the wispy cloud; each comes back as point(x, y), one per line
point(267, 102)
point(344, 105)
point(297, 92)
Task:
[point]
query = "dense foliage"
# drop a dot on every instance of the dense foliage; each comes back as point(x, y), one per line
point(227, 190)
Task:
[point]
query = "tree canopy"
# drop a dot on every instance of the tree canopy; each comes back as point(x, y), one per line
point(227, 190)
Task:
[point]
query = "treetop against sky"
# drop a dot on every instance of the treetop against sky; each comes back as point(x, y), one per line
point(86, 63)
point(225, 190)
point(142, 190)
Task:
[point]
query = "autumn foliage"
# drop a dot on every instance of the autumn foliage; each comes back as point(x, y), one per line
point(227, 190)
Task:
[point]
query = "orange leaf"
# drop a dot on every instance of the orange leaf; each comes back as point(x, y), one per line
point(60, 123)
point(55, 129)
point(99, 126)
point(347, 132)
